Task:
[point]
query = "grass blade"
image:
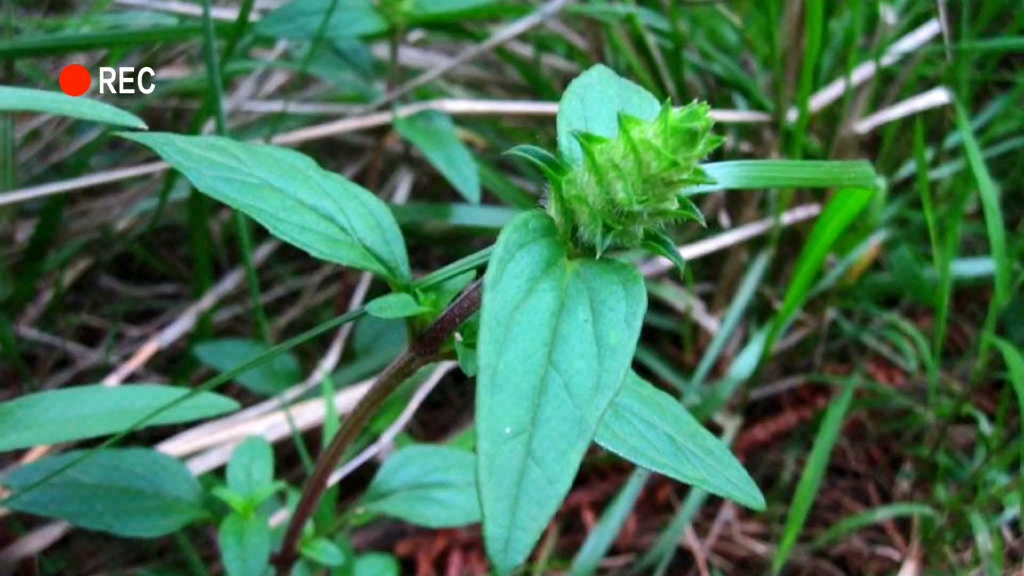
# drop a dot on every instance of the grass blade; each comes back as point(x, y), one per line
point(600, 540)
point(814, 472)
point(764, 174)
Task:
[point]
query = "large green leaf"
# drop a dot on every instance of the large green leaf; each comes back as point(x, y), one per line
point(14, 99)
point(432, 486)
point(556, 338)
point(268, 378)
point(89, 411)
point(133, 492)
point(652, 429)
point(245, 544)
point(433, 133)
point(301, 20)
point(592, 103)
point(321, 212)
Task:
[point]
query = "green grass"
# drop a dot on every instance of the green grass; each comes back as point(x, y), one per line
point(912, 292)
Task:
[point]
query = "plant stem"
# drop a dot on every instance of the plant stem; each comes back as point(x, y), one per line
point(422, 352)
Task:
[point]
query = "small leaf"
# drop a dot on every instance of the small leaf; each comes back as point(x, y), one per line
point(592, 103)
point(431, 486)
point(14, 99)
point(376, 564)
point(235, 501)
point(661, 245)
point(302, 19)
point(268, 378)
point(83, 412)
point(322, 551)
point(245, 545)
point(466, 355)
point(652, 429)
point(433, 134)
point(321, 212)
point(556, 338)
point(251, 468)
point(130, 492)
point(395, 305)
point(545, 161)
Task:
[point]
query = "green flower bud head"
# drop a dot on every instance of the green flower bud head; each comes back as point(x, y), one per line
point(628, 188)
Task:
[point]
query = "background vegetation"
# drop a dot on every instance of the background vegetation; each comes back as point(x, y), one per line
point(884, 426)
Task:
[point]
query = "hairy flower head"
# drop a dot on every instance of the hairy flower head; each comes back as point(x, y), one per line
point(629, 187)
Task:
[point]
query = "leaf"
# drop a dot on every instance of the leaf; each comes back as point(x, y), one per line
point(556, 338)
point(268, 378)
point(322, 551)
point(988, 192)
point(131, 492)
point(245, 544)
point(423, 12)
point(82, 412)
point(763, 174)
point(592, 103)
point(647, 426)
point(838, 215)
point(431, 486)
point(15, 99)
point(376, 564)
point(810, 479)
point(251, 468)
point(433, 134)
point(301, 19)
point(660, 244)
point(545, 161)
point(321, 212)
point(395, 305)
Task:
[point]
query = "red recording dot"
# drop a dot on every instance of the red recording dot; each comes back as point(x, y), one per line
point(75, 80)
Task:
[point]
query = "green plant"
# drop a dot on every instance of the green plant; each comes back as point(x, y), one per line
point(550, 331)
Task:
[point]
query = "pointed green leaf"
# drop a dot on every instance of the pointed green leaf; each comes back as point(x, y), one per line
point(647, 426)
point(556, 338)
point(251, 468)
point(431, 486)
point(323, 551)
point(433, 134)
point(15, 99)
point(660, 244)
point(321, 212)
point(545, 161)
point(395, 305)
point(131, 492)
point(82, 412)
point(269, 378)
point(592, 103)
point(302, 19)
point(245, 544)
